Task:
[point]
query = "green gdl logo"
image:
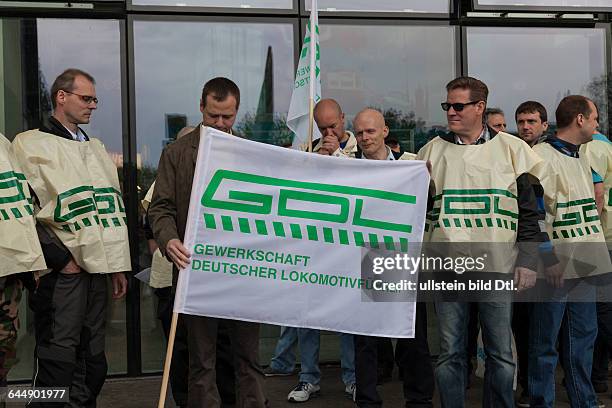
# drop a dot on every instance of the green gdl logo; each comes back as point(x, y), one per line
point(13, 201)
point(85, 206)
point(294, 207)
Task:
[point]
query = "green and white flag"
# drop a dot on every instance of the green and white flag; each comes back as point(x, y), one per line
point(280, 238)
point(307, 84)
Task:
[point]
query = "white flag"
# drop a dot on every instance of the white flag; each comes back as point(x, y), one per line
point(280, 238)
point(307, 84)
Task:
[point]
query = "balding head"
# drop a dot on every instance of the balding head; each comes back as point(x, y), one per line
point(371, 131)
point(330, 119)
point(371, 115)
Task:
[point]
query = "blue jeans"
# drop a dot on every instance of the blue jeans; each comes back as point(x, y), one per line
point(495, 322)
point(575, 324)
point(309, 344)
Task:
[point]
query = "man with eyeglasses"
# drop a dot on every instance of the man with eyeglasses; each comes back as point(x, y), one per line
point(495, 119)
point(70, 303)
point(482, 195)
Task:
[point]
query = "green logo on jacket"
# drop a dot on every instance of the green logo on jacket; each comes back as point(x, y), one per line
point(84, 206)
point(474, 208)
point(13, 201)
point(576, 219)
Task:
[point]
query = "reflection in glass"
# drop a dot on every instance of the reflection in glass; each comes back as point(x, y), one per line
point(168, 85)
point(387, 6)
point(95, 50)
point(542, 64)
point(402, 78)
point(243, 4)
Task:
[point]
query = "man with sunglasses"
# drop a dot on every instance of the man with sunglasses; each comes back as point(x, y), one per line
point(70, 302)
point(482, 195)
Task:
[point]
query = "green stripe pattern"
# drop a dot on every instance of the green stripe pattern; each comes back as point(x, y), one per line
point(86, 222)
point(307, 232)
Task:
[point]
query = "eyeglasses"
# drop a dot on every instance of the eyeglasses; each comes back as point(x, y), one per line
point(85, 98)
point(458, 107)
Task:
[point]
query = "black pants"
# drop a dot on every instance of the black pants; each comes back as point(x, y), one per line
point(603, 343)
point(472, 338)
point(69, 320)
point(413, 359)
point(521, 312)
point(179, 368)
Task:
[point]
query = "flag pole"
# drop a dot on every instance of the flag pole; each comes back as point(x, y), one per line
point(310, 122)
point(168, 362)
point(313, 70)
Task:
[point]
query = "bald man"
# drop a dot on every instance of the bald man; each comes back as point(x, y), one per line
point(336, 140)
point(411, 355)
point(370, 134)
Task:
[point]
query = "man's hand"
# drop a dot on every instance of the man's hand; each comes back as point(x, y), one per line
point(329, 144)
point(119, 285)
point(178, 253)
point(524, 278)
point(71, 268)
point(554, 275)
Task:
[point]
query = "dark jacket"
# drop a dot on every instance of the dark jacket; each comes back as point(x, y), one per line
point(56, 254)
point(170, 203)
point(528, 229)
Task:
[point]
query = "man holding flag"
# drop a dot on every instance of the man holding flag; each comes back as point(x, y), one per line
point(168, 216)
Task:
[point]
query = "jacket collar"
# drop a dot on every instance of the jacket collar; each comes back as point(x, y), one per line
point(55, 127)
point(196, 136)
point(450, 136)
point(562, 146)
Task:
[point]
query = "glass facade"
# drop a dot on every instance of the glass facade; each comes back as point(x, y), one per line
point(403, 79)
point(542, 64)
point(243, 4)
point(572, 5)
point(51, 47)
point(150, 70)
point(384, 6)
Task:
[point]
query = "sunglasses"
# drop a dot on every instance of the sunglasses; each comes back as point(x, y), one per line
point(85, 98)
point(458, 107)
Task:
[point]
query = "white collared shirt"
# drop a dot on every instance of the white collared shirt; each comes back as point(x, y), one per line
point(484, 137)
point(79, 136)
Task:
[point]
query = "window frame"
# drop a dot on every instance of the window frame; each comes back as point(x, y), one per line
point(130, 6)
point(511, 7)
point(393, 15)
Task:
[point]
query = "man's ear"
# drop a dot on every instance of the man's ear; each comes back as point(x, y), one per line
point(60, 98)
point(545, 126)
point(202, 106)
point(386, 131)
